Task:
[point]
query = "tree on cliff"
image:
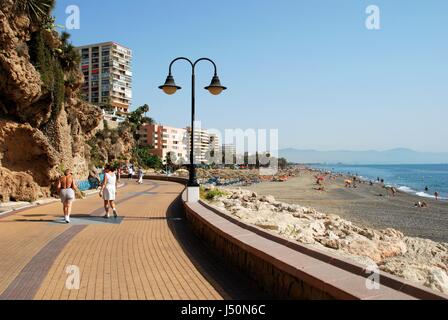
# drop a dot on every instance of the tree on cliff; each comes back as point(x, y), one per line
point(121, 143)
point(37, 10)
point(136, 119)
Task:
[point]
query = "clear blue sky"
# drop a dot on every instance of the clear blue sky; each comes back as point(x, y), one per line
point(309, 68)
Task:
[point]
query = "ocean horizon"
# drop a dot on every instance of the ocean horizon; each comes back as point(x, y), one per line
point(409, 178)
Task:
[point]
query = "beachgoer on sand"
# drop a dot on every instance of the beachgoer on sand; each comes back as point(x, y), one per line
point(394, 191)
point(421, 204)
point(436, 195)
point(66, 190)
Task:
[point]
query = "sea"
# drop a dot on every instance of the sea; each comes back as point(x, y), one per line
point(410, 178)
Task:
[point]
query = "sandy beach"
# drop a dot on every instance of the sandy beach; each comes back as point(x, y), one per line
point(369, 206)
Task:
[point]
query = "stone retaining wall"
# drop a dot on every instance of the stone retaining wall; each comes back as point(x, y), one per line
point(288, 270)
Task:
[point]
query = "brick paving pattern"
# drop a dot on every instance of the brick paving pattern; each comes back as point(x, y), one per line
point(148, 255)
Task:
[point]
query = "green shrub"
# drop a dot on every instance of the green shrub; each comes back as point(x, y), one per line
point(214, 193)
point(146, 159)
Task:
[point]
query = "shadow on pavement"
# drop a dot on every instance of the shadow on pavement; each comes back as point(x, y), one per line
point(224, 278)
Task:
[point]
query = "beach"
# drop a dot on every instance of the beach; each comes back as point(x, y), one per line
point(366, 205)
point(366, 224)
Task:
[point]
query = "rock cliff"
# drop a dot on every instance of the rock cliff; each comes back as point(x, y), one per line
point(43, 122)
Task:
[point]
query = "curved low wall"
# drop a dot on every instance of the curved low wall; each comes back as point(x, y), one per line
point(287, 269)
point(183, 181)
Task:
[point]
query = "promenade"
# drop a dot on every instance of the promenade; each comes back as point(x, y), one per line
point(149, 253)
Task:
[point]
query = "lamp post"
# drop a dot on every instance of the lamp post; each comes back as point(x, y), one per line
point(170, 88)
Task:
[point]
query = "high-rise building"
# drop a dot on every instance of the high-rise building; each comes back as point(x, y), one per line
point(107, 75)
point(165, 141)
point(229, 154)
point(206, 146)
point(215, 145)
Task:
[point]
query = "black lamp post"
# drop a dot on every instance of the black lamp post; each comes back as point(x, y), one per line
point(171, 88)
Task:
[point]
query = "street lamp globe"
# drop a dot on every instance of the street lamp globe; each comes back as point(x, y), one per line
point(170, 86)
point(215, 87)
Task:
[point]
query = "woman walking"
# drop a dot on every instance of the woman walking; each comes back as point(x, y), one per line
point(109, 191)
point(140, 176)
point(66, 190)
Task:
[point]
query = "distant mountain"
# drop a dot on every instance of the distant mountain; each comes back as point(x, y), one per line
point(394, 156)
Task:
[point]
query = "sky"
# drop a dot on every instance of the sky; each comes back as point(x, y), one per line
point(310, 69)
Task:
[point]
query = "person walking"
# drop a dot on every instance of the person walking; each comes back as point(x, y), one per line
point(119, 173)
point(66, 190)
point(109, 191)
point(130, 172)
point(436, 195)
point(140, 176)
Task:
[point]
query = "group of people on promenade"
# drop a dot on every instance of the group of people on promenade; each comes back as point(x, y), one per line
point(107, 190)
point(140, 174)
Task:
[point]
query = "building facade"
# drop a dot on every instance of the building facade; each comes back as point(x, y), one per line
point(207, 146)
point(229, 154)
point(165, 141)
point(107, 70)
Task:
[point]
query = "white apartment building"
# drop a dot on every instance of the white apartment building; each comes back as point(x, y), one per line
point(204, 144)
point(107, 74)
point(229, 152)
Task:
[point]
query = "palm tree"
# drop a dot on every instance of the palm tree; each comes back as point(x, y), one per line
point(36, 10)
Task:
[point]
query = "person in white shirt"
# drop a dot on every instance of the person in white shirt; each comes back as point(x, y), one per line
point(130, 172)
point(109, 191)
point(140, 176)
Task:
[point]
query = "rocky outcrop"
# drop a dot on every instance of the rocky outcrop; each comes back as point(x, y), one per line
point(419, 260)
point(19, 185)
point(39, 135)
point(112, 145)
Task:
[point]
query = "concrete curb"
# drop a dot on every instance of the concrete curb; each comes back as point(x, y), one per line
point(31, 205)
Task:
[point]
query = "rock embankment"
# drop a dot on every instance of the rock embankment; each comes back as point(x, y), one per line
point(43, 122)
point(418, 260)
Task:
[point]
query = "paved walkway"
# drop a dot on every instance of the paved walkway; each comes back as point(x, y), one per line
point(147, 254)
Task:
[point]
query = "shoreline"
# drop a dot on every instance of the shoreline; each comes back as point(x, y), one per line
point(367, 205)
point(401, 187)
